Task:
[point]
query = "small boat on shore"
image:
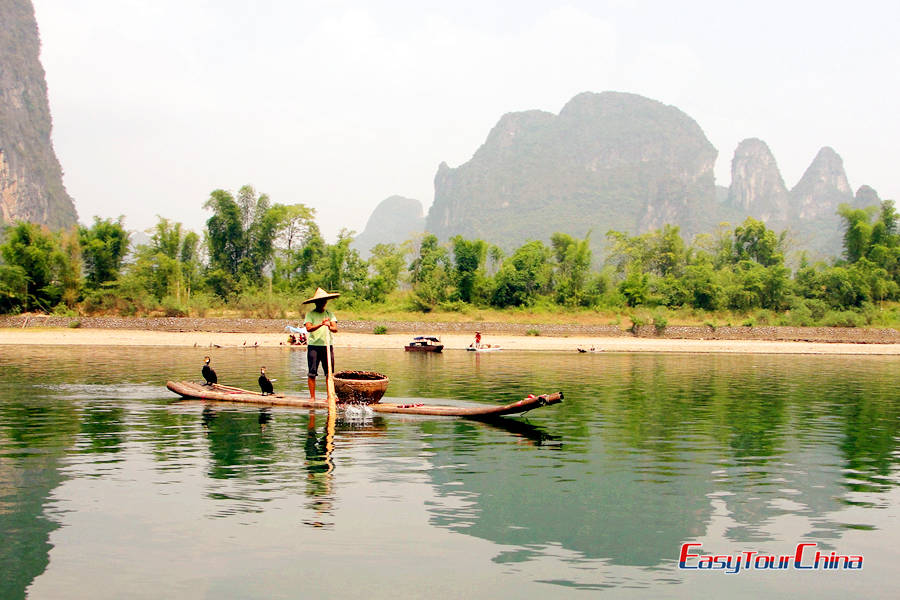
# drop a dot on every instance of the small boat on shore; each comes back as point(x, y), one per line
point(480, 412)
point(424, 343)
point(484, 348)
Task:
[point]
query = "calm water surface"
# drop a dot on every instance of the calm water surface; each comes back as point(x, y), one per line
point(110, 487)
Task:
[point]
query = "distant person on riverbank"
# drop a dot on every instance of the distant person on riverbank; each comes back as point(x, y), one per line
point(320, 324)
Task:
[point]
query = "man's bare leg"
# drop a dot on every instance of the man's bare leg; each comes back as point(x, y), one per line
point(311, 383)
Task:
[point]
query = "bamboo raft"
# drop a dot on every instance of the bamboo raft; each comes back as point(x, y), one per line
point(226, 393)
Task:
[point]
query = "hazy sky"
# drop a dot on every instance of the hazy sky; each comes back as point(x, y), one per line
point(339, 105)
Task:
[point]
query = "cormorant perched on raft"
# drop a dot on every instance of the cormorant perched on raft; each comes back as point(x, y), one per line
point(265, 384)
point(208, 374)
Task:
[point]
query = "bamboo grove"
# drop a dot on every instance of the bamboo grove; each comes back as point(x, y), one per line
point(260, 257)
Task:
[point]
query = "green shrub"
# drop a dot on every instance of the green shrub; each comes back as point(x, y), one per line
point(454, 306)
point(172, 308)
point(379, 330)
point(200, 304)
point(764, 317)
point(258, 304)
point(74, 324)
point(61, 310)
point(533, 332)
point(660, 321)
point(843, 318)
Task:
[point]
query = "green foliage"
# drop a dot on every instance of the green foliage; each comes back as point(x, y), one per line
point(637, 320)
point(169, 266)
point(739, 269)
point(385, 264)
point(379, 330)
point(35, 270)
point(533, 332)
point(572, 261)
point(469, 258)
point(241, 232)
point(635, 287)
point(124, 297)
point(430, 275)
point(857, 232)
point(13, 289)
point(660, 321)
point(523, 276)
point(103, 249)
point(843, 318)
point(339, 268)
point(755, 242)
point(259, 303)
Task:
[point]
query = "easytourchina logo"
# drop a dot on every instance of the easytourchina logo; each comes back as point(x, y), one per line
point(805, 556)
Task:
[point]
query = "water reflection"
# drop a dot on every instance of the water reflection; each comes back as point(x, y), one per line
point(646, 451)
point(34, 438)
point(320, 470)
point(687, 438)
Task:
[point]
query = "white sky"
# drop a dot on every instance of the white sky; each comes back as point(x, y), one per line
point(341, 104)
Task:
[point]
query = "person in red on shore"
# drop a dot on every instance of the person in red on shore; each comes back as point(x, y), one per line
point(320, 324)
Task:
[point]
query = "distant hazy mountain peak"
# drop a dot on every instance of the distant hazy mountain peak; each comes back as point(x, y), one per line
point(393, 221)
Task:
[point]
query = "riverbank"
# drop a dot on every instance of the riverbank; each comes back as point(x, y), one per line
point(243, 333)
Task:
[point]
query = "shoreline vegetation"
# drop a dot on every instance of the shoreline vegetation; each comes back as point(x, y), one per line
point(256, 259)
point(266, 333)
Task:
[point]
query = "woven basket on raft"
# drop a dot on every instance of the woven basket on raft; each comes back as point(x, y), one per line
point(363, 387)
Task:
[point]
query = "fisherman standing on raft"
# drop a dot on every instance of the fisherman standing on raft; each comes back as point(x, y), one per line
point(320, 325)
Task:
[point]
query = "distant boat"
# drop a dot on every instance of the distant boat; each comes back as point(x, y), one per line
point(484, 347)
point(424, 343)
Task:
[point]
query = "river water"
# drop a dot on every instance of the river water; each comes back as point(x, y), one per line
point(111, 487)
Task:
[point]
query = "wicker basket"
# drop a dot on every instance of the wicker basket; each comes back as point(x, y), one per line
point(364, 387)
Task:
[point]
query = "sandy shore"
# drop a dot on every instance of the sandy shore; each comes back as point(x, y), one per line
point(126, 337)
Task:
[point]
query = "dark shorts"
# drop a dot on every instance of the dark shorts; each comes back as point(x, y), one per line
point(315, 356)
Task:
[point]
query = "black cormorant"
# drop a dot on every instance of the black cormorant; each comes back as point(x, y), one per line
point(208, 374)
point(265, 384)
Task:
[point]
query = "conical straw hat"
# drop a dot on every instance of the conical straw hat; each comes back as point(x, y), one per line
point(321, 295)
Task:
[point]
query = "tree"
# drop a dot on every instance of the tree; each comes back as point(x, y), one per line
point(169, 264)
point(523, 276)
point(661, 251)
point(857, 231)
point(298, 220)
point(34, 268)
point(72, 266)
point(340, 267)
point(430, 274)
point(754, 241)
point(635, 287)
point(573, 261)
point(669, 254)
point(104, 246)
point(241, 233)
point(469, 256)
point(385, 264)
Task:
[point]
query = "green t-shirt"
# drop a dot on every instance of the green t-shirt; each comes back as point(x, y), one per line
point(321, 336)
